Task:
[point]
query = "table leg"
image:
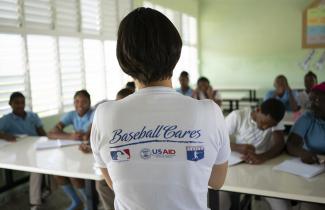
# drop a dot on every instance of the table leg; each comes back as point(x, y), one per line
point(214, 199)
point(91, 194)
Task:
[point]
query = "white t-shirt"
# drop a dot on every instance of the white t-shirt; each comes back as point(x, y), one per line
point(241, 125)
point(159, 148)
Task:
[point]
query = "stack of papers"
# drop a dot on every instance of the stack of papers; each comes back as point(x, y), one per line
point(4, 143)
point(235, 158)
point(296, 167)
point(51, 144)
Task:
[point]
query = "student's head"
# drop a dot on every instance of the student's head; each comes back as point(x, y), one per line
point(148, 46)
point(280, 84)
point(269, 114)
point(184, 79)
point(17, 103)
point(317, 98)
point(310, 81)
point(130, 85)
point(203, 84)
point(124, 93)
point(82, 102)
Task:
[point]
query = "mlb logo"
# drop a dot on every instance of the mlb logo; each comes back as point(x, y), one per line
point(120, 155)
point(195, 153)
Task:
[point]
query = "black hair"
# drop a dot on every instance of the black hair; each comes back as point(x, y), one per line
point(15, 95)
point(130, 85)
point(311, 74)
point(83, 93)
point(125, 92)
point(274, 108)
point(203, 79)
point(148, 45)
point(184, 74)
point(281, 76)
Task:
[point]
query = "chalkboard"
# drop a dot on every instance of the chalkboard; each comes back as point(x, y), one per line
point(313, 35)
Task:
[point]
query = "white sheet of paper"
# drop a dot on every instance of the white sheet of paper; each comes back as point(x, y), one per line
point(234, 159)
point(43, 143)
point(296, 167)
point(4, 143)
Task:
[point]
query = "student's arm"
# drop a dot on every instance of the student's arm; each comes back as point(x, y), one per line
point(295, 147)
point(58, 133)
point(107, 177)
point(242, 148)
point(86, 136)
point(218, 175)
point(3, 128)
point(293, 100)
point(276, 149)
point(7, 137)
point(40, 131)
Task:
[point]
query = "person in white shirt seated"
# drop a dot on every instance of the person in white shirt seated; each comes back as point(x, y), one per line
point(156, 148)
point(310, 80)
point(258, 136)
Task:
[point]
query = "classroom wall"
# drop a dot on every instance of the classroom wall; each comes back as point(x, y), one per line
point(247, 43)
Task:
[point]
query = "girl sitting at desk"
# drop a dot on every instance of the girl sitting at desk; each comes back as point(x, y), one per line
point(81, 120)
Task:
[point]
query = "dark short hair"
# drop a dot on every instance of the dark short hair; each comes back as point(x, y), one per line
point(273, 107)
point(15, 95)
point(311, 74)
point(83, 93)
point(148, 45)
point(125, 92)
point(130, 85)
point(281, 76)
point(203, 79)
point(184, 74)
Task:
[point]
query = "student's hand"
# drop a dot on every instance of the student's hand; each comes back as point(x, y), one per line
point(309, 158)
point(246, 148)
point(9, 137)
point(76, 136)
point(85, 148)
point(209, 93)
point(253, 158)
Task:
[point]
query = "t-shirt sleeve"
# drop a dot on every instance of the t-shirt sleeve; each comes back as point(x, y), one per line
point(95, 143)
point(222, 136)
point(67, 119)
point(301, 125)
point(268, 95)
point(232, 122)
point(3, 124)
point(296, 97)
point(38, 121)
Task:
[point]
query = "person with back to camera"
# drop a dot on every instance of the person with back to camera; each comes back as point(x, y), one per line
point(173, 146)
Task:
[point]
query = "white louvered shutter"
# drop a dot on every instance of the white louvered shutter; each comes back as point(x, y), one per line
point(90, 16)
point(12, 69)
point(71, 70)
point(124, 7)
point(38, 14)
point(109, 19)
point(67, 15)
point(10, 13)
point(43, 74)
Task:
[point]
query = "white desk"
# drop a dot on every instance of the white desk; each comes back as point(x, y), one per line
point(262, 180)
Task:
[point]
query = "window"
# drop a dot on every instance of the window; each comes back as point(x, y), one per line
point(38, 14)
point(67, 15)
point(9, 13)
point(90, 16)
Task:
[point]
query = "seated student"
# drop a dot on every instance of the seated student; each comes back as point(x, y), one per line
point(81, 120)
point(205, 91)
point(21, 122)
point(185, 88)
point(106, 195)
point(130, 85)
point(283, 92)
point(310, 80)
point(306, 138)
point(258, 137)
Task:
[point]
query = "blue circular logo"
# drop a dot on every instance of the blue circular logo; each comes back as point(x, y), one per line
point(145, 153)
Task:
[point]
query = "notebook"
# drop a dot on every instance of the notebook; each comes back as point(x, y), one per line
point(234, 159)
point(51, 144)
point(296, 167)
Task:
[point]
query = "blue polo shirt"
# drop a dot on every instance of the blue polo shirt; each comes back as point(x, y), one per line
point(80, 124)
point(285, 98)
point(312, 130)
point(15, 125)
point(189, 92)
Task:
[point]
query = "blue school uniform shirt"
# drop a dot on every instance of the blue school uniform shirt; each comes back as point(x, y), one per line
point(15, 125)
point(189, 92)
point(284, 99)
point(312, 130)
point(80, 124)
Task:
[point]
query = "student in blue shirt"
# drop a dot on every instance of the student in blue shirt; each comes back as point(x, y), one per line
point(21, 122)
point(283, 92)
point(184, 81)
point(307, 137)
point(80, 119)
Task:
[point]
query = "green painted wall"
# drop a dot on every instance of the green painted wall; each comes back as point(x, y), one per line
point(247, 43)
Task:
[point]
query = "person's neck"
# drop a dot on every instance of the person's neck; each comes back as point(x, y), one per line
point(161, 83)
point(184, 89)
point(22, 115)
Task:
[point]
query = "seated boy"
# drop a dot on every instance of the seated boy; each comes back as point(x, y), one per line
point(306, 139)
point(258, 137)
point(106, 195)
point(21, 122)
point(80, 119)
point(205, 91)
point(310, 80)
point(184, 81)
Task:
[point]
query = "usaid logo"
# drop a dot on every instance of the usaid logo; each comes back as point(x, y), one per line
point(195, 153)
point(157, 153)
point(121, 155)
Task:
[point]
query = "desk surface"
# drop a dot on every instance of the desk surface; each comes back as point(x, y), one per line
point(65, 161)
point(262, 180)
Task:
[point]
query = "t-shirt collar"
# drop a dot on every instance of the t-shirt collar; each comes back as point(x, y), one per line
point(156, 89)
